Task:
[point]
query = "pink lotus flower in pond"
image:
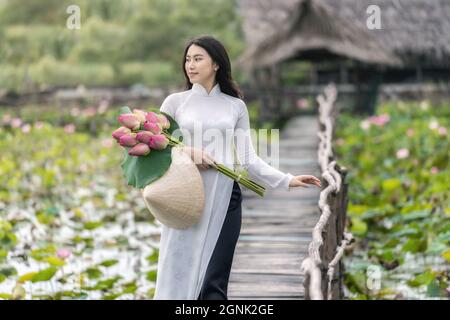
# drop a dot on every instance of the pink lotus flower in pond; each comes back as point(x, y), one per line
point(402, 153)
point(410, 132)
point(434, 170)
point(120, 132)
point(140, 114)
point(63, 253)
point(128, 140)
point(141, 149)
point(379, 120)
point(144, 136)
point(433, 125)
point(16, 122)
point(154, 128)
point(130, 121)
point(365, 125)
point(302, 104)
point(69, 128)
point(158, 142)
point(164, 122)
point(152, 117)
point(26, 128)
point(442, 131)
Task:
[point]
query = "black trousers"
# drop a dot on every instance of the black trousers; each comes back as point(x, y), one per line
point(215, 283)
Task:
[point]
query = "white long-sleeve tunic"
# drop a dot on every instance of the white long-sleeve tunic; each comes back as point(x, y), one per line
point(215, 122)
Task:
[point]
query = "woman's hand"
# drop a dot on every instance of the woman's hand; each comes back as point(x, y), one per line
point(200, 157)
point(304, 180)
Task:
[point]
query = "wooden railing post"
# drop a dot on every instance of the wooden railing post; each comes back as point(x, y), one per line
point(323, 267)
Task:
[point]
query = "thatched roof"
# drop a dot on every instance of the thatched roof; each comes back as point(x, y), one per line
point(413, 31)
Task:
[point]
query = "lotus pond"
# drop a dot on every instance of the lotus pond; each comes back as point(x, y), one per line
point(398, 201)
point(69, 226)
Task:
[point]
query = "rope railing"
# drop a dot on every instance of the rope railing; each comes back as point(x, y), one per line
point(323, 268)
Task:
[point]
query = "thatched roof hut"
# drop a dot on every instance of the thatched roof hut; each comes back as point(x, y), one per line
point(413, 32)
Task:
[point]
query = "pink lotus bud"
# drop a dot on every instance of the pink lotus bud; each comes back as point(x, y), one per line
point(152, 117)
point(141, 149)
point(129, 120)
point(384, 118)
point(379, 120)
point(158, 142)
point(402, 153)
point(365, 124)
point(140, 114)
point(410, 132)
point(128, 140)
point(433, 124)
point(120, 132)
point(154, 128)
point(26, 128)
point(442, 131)
point(16, 122)
point(165, 123)
point(302, 104)
point(144, 136)
point(63, 253)
point(69, 128)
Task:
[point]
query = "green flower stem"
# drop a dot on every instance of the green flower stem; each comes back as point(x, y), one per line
point(258, 189)
point(244, 181)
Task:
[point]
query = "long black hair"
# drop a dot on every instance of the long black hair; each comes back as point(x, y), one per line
point(219, 55)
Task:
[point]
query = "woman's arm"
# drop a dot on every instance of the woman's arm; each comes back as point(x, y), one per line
point(256, 167)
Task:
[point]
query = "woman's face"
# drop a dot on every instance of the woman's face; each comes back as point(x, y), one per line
point(199, 66)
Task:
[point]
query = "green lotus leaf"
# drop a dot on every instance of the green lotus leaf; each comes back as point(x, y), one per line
point(143, 170)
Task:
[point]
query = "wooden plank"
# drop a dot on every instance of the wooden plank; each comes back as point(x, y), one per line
point(274, 229)
point(277, 239)
point(298, 210)
point(288, 250)
point(268, 279)
point(303, 223)
point(264, 288)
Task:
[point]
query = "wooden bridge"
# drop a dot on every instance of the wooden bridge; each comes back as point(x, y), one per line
point(277, 229)
point(289, 235)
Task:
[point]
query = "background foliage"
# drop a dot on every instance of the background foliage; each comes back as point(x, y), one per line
point(119, 43)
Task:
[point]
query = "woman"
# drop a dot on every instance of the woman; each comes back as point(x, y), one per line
point(195, 263)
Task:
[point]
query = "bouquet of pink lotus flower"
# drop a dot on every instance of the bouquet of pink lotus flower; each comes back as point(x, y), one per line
point(147, 138)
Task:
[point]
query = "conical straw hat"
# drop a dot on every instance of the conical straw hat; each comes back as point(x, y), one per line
point(177, 198)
